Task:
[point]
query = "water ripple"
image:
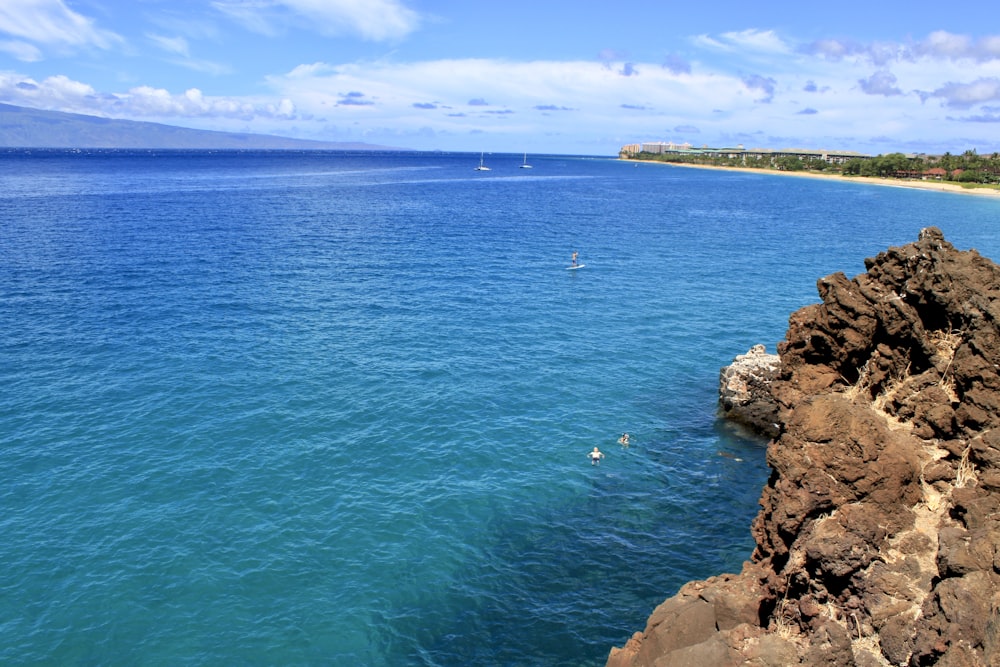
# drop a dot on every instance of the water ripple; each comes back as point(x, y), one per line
point(336, 409)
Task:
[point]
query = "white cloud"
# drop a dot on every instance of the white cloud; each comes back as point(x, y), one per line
point(879, 54)
point(311, 70)
point(761, 41)
point(748, 43)
point(23, 51)
point(965, 95)
point(374, 20)
point(180, 22)
point(181, 50)
point(52, 23)
point(148, 102)
point(56, 92)
point(834, 49)
point(717, 102)
point(61, 93)
point(938, 46)
point(990, 47)
point(259, 17)
point(177, 45)
point(880, 83)
point(761, 84)
point(502, 97)
point(709, 42)
point(745, 84)
point(677, 64)
point(947, 44)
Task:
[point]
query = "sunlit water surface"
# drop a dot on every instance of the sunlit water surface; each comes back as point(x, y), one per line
point(324, 408)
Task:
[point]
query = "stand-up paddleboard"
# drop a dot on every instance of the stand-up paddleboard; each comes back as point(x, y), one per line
point(578, 266)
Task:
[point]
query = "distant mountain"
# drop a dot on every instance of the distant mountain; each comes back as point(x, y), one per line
point(22, 127)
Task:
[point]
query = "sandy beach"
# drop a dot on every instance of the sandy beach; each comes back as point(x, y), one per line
point(939, 186)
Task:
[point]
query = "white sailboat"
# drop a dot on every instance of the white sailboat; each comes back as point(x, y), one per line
point(482, 167)
point(525, 165)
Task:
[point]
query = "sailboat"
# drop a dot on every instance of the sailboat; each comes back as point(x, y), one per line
point(525, 165)
point(482, 167)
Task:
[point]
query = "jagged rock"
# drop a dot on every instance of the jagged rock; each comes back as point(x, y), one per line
point(878, 538)
point(745, 390)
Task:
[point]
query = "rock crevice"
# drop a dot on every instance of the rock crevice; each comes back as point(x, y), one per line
point(878, 537)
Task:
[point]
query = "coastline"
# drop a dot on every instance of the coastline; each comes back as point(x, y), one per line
point(938, 186)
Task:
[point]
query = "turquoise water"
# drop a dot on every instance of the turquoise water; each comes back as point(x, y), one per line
point(335, 409)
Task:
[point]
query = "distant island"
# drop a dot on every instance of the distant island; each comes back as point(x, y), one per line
point(23, 127)
point(969, 169)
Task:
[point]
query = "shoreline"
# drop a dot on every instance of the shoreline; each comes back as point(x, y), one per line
point(937, 186)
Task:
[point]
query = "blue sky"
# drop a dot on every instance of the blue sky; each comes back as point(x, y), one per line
point(561, 76)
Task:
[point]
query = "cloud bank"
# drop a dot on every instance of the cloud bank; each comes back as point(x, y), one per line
point(753, 85)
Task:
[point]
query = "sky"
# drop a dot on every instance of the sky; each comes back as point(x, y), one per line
point(577, 77)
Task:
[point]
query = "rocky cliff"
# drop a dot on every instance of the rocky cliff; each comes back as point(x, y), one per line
point(878, 538)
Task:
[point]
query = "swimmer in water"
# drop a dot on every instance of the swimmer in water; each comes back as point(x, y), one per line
point(623, 441)
point(596, 456)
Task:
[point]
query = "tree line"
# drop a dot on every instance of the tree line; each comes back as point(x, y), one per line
point(969, 167)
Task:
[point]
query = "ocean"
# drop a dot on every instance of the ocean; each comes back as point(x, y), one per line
point(320, 408)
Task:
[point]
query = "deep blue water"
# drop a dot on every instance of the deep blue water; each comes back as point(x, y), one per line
point(335, 409)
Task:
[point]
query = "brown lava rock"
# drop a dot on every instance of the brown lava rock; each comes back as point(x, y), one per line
point(878, 537)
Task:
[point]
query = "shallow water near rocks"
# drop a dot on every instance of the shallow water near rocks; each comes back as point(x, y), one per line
point(329, 408)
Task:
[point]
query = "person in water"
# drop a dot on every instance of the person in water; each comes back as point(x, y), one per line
point(574, 258)
point(623, 441)
point(596, 456)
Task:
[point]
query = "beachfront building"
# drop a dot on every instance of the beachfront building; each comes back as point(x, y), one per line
point(752, 155)
point(660, 147)
point(830, 157)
